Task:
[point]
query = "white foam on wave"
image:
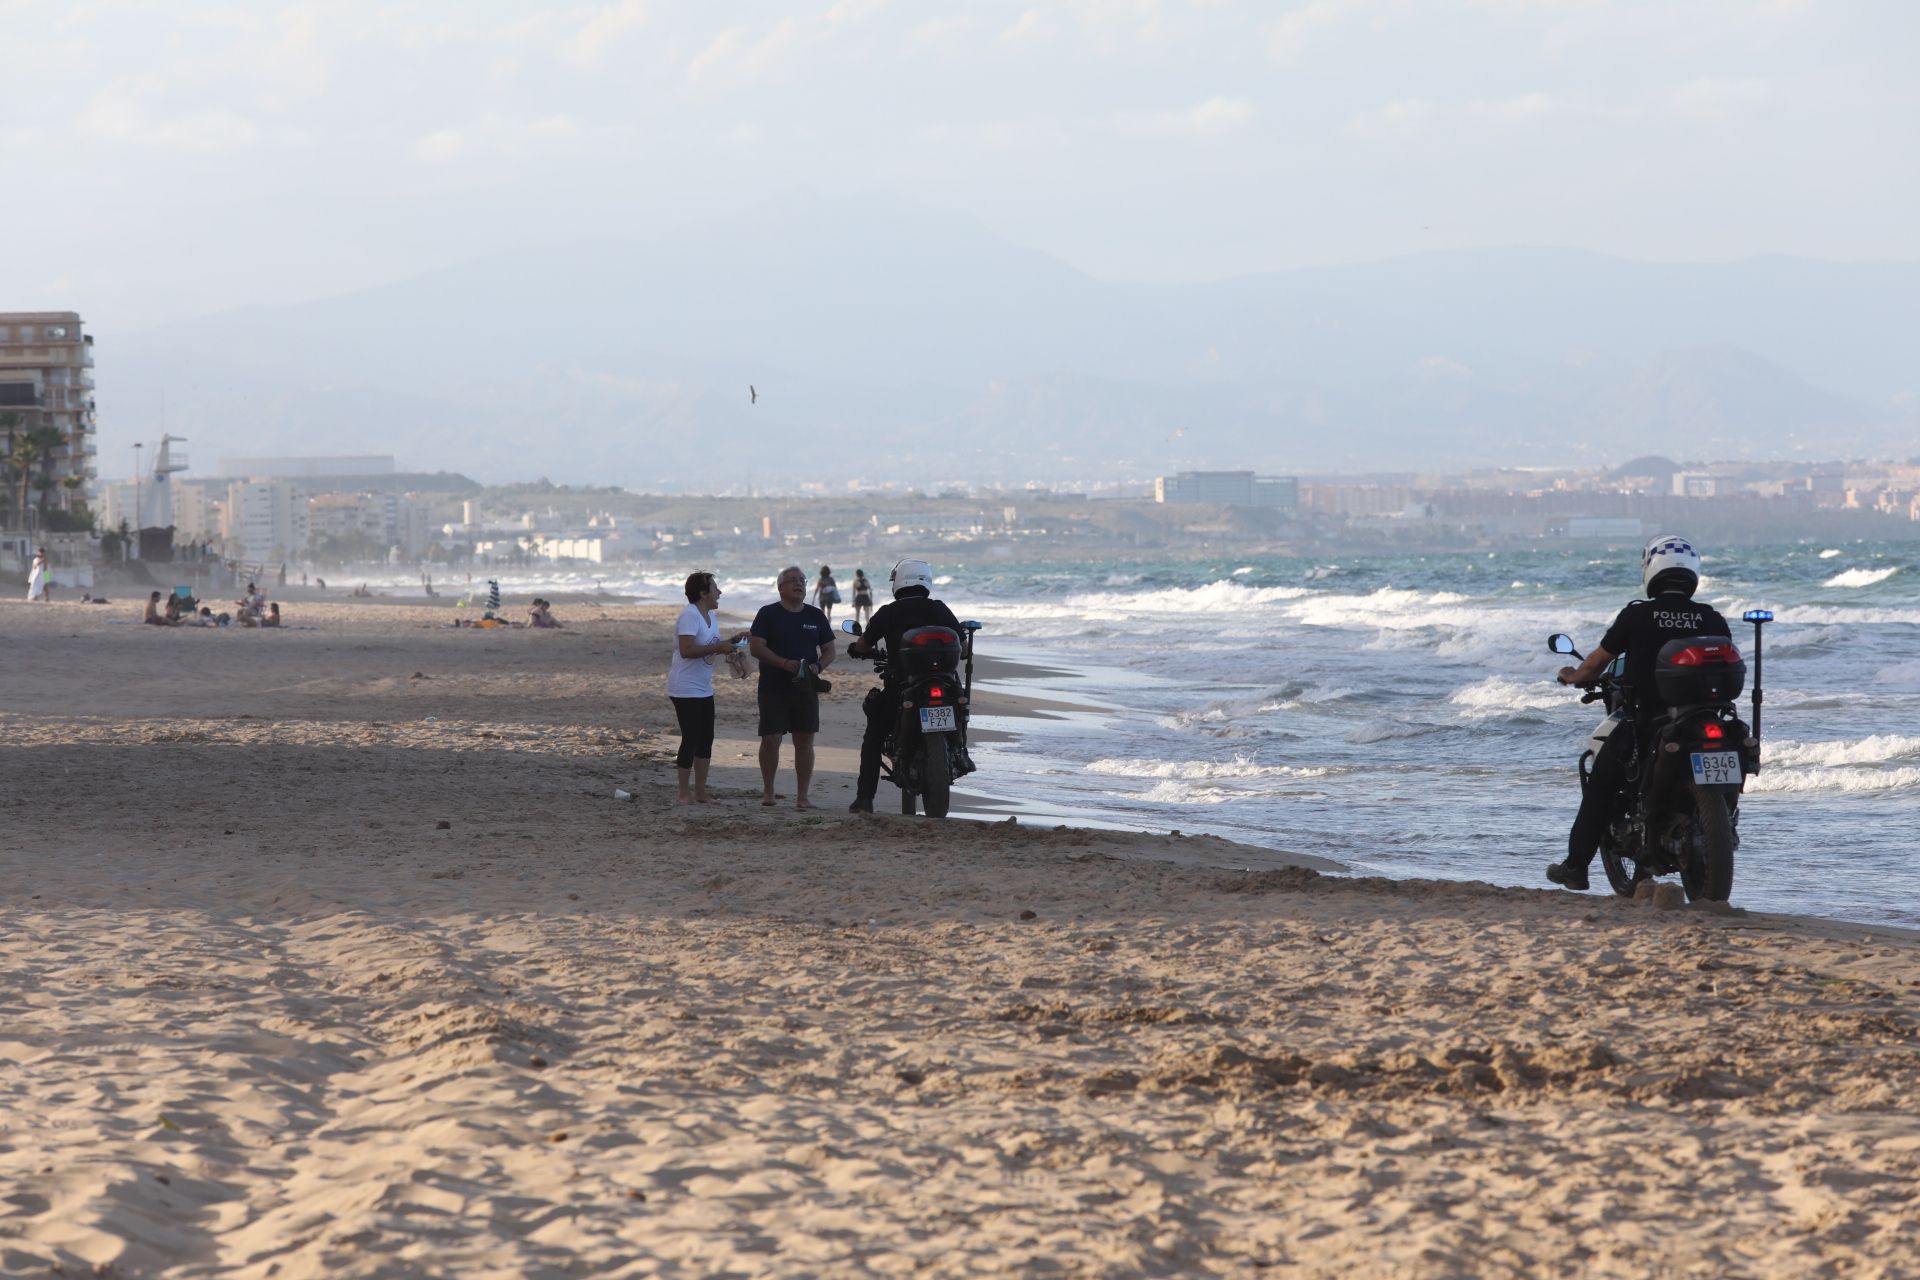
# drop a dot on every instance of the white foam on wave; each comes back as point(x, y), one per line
point(1221, 597)
point(1850, 779)
point(1242, 571)
point(1175, 791)
point(1190, 770)
point(1387, 608)
point(1499, 695)
point(1860, 577)
point(1877, 749)
point(1830, 553)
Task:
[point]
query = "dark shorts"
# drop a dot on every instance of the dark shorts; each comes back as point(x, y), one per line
point(784, 710)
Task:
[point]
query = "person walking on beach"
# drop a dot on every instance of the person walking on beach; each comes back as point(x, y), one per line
point(697, 642)
point(793, 641)
point(862, 597)
point(40, 578)
point(826, 592)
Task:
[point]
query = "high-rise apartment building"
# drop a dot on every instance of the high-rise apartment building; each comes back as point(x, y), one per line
point(46, 413)
point(265, 520)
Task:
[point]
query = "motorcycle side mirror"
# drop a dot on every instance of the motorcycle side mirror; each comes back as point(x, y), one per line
point(970, 626)
point(851, 627)
point(1559, 643)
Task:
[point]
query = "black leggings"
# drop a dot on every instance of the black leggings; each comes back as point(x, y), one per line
point(696, 730)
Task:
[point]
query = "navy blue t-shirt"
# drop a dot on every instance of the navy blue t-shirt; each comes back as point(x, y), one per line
point(793, 634)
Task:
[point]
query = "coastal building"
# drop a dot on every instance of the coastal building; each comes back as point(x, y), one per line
point(372, 521)
point(1228, 488)
point(266, 520)
point(195, 512)
point(46, 412)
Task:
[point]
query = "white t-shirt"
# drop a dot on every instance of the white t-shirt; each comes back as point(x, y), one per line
point(692, 677)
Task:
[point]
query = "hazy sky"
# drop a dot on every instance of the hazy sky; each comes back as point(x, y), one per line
point(168, 159)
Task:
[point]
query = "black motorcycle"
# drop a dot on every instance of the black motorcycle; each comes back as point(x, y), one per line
point(1677, 811)
point(926, 749)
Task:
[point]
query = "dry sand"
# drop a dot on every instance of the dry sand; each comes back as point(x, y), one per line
point(329, 953)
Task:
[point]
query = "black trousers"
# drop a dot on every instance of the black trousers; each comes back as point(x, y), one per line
point(696, 730)
point(1599, 803)
point(883, 712)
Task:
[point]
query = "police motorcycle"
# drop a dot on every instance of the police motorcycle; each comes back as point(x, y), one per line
point(926, 749)
point(1678, 810)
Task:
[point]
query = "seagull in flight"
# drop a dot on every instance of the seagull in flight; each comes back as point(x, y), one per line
point(1176, 435)
point(753, 397)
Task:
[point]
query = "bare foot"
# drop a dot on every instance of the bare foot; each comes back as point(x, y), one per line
point(680, 800)
point(766, 802)
point(803, 804)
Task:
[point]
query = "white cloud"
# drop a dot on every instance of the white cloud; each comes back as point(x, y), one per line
point(1400, 119)
point(1216, 117)
point(1288, 36)
point(441, 147)
point(734, 56)
point(121, 116)
point(589, 45)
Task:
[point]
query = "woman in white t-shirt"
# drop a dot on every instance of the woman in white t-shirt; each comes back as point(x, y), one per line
point(696, 644)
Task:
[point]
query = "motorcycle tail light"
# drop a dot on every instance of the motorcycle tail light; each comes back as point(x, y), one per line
point(1712, 732)
point(1703, 655)
point(936, 693)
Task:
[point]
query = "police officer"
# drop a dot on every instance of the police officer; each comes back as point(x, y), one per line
point(913, 606)
point(1670, 573)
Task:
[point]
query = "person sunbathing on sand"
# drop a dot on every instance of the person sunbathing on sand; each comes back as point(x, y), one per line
point(153, 611)
point(273, 615)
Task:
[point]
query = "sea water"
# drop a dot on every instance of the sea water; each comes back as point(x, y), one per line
point(1399, 714)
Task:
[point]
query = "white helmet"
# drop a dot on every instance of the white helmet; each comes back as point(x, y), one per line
point(911, 573)
point(1667, 554)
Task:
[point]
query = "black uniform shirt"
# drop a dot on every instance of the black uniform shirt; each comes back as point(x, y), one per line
point(891, 621)
point(1643, 627)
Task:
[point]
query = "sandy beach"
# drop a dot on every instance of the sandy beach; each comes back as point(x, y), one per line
point(331, 953)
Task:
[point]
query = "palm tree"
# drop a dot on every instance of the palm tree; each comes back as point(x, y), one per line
point(23, 455)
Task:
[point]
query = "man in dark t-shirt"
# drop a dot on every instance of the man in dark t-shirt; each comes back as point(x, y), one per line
point(1670, 571)
point(793, 641)
point(913, 606)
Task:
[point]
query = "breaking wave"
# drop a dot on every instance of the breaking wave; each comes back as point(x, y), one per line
point(1860, 577)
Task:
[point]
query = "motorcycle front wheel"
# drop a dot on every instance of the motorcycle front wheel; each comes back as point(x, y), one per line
point(938, 779)
point(1707, 867)
point(1625, 873)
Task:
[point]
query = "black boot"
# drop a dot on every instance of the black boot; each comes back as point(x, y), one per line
point(1565, 873)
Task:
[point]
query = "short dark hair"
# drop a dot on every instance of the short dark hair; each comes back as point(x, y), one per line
point(698, 585)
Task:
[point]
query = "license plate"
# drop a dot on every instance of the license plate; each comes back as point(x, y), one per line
point(1714, 768)
point(937, 720)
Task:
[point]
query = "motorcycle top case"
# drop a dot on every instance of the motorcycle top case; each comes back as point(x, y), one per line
point(927, 651)
point(1697, 669)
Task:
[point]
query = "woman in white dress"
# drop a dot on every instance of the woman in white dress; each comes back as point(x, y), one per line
point(696, 643)
point(40, 578)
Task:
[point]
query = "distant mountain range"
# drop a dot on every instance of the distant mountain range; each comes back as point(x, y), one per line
point(890, 340)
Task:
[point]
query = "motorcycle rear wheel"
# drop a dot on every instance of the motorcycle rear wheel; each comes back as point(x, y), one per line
point(1706, 869)
point(938, 779)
